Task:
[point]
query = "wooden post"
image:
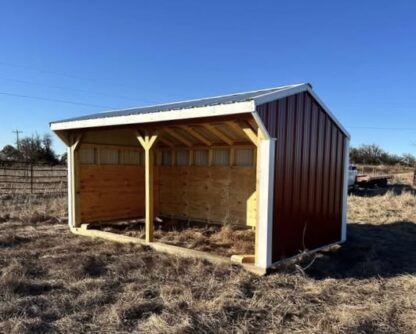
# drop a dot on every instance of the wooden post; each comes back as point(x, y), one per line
point(147, 142)
point(74, 170)
point(31, 178)
point(414, 177)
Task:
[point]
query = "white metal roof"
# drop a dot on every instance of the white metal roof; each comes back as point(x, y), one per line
point(237, 103)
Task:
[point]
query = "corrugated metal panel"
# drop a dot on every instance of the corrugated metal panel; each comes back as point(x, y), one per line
point(182, 158)
point(109, 156)
point(221, 157)
point(244, 157)
point(308, 174)
point(210, 101)
point(87, 156)
point(201, 157)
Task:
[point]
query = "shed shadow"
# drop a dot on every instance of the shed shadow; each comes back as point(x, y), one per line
point(370, 251)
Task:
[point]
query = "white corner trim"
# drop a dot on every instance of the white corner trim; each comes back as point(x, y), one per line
point(264, 227)
point(261, 125)
point(70, 176)
point(345, 191)
point(190, 113)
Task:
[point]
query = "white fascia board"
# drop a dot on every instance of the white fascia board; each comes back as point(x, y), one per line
point(268, 97)
point(172, 115)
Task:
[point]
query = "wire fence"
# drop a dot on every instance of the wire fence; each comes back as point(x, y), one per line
point(28, 178)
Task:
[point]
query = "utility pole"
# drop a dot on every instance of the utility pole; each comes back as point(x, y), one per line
point(17, 132)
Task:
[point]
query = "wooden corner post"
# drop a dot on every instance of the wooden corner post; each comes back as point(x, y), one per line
point(74, 213)
point(147, 141)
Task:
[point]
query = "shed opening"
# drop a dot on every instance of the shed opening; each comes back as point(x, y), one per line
point(203, 184)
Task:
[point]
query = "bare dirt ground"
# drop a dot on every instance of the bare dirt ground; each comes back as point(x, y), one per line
point(52, 281)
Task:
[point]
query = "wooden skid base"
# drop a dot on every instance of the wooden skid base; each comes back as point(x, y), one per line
point(168, 249)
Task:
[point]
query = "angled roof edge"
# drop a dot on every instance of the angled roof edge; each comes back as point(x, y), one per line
point(228, 107)
point(171, 115)
point(272, 96)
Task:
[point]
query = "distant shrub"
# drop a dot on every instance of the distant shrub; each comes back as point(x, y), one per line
point(375, 155)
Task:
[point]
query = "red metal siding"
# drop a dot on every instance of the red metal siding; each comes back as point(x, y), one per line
point(307, 211)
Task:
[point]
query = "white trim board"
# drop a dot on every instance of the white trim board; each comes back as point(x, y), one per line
point(345, 191)
point(189, 113)
point(264, 227)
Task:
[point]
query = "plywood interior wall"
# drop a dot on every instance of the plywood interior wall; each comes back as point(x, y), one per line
point(111, 181)
point(109, 192)
point(213, 194)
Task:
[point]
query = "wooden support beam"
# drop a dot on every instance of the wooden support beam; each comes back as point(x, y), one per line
point(210, 157)
point(177, 136)
point(218, 133)
point(232, 156)
point(147, 141)
point(249, 132)
point(249, 258)
point(191, 157)
point(196, 134)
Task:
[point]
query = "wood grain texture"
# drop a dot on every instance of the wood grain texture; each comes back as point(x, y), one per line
point(111, 192)
point(214, 194)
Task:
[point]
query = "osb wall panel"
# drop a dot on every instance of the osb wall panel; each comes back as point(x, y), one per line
point(307, 208)
point(111, 192)
point(214, 194)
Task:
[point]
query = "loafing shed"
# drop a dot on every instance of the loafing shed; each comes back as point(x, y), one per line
point(274, 160)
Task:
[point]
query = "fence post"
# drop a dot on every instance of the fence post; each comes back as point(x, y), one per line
point(31, 178)
point(414, 177)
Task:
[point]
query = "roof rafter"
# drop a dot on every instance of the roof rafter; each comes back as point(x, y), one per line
point(218, 133)
point(177, 136)
point(196, 134)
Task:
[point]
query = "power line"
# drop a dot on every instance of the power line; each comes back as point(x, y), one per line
point(55, 100)
point(41, 70)
point(66, 88)
point(381, 128)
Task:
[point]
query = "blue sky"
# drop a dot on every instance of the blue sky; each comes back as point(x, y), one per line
point(360, 57)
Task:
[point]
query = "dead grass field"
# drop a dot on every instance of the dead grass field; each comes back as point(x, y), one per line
point(52, 281)
point(220, 240)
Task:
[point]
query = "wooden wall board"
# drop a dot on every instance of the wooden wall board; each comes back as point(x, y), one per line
point(214, 194)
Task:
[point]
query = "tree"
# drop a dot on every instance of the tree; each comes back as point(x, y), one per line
point(37, 149)
point(375, 155)
point(10, 153)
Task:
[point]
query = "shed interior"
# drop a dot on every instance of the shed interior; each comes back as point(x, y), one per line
point(202, 171)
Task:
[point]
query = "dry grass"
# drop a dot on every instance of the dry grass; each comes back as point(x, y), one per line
point(221, 240)
point(52, 281)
